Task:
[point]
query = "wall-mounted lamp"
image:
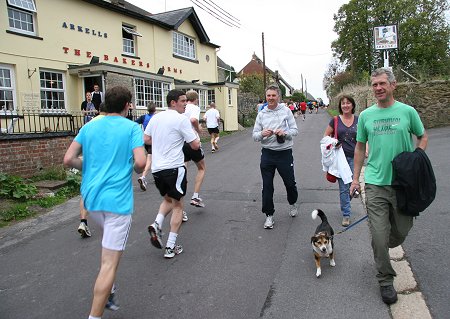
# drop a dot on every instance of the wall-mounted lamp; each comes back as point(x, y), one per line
point(161, 70)
point(95, 59)
point(31, 72)
point(195, 81)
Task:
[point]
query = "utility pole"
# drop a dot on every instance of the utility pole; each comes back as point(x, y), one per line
point(264, 63)
point(306, 90)
point(302, 82)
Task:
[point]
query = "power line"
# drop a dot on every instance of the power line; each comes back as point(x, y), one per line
point(229, 15)
point(213, 14)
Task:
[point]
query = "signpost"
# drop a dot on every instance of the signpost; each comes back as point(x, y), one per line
point(385, 38)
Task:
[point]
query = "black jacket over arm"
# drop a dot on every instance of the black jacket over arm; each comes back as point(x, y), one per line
point(414, 182)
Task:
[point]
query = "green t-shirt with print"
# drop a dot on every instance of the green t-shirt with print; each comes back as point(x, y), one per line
point(389, 132)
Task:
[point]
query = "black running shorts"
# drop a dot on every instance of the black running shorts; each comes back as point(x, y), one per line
point(192, 155)
point(213, 130)
point(171, 182)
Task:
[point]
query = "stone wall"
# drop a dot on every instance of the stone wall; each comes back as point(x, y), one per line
point(247, 103)
point(114, 79)
point(27, 156)
point(430, 99)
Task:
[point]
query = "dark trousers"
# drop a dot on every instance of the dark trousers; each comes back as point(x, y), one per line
point(283, 162)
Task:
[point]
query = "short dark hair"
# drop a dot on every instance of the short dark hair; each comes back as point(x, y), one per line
point(102, 107)
point(151, 107)
point(348, 97)
point(116, 99)
point(174, 95)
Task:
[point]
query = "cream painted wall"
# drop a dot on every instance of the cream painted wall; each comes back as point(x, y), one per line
point(154, 48)
point(228, 112)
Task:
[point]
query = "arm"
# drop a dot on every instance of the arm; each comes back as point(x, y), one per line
point(360, 152)
point(195, 144)
point(71, 158)
point(422, 141)
point(292, 126)
point(328, 131)
point(258, 131)
point(195, 124)
point(147, 139)
point(139, 159)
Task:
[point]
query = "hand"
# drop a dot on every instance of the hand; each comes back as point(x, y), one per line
point(266, 132)
point(355, 185)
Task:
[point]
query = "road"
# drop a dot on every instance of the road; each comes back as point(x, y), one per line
point(231, 266)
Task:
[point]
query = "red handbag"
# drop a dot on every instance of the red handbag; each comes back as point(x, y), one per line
point(331, 178)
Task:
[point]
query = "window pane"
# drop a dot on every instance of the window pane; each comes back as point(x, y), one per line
point(52, 90)
point(23, 4)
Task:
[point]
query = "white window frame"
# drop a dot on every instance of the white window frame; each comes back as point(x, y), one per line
point(211, 96)
point(129, 45)
point(52, 90)
point(184, 46)
point(147, 90)
point(22, 7)
point(5, 109)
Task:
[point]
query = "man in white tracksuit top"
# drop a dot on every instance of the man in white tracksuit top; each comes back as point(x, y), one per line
point(274, 128)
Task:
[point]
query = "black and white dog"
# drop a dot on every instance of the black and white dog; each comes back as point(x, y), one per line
point(322, 241)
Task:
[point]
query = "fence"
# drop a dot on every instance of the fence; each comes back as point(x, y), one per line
point(36, 122)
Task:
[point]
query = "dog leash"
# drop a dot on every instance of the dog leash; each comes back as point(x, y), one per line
point(351, 225)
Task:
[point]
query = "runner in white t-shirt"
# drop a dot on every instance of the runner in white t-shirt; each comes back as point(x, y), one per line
point(212, 117)
point(197, 156)
point(168, 131)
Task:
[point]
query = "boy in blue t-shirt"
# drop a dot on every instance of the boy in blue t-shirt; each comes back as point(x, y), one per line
point(109, 148)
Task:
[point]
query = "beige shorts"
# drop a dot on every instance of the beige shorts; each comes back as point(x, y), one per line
point(115, 229)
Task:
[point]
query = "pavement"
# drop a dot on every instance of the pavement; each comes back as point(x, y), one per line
point(231, 267)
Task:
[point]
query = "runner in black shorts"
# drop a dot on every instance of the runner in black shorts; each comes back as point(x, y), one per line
point(192, 155)
point(167, 133)
point(171, 182)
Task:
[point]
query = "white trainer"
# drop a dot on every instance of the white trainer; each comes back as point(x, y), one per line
point(268, 224)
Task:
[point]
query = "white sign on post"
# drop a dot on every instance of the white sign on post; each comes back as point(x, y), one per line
point(385, 37)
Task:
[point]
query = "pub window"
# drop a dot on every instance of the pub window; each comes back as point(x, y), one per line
point(52, 92)
point(150, 91)
point(7, 90)
point(183, 46)
point(22, 16)
point(211, 96)
point(129, 35)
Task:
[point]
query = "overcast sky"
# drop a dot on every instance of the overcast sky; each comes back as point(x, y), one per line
point(297, 34)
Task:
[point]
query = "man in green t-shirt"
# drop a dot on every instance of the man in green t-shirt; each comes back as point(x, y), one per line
point(388, 127)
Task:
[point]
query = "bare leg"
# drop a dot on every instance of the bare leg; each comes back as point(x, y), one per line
point(177, 215)
point(201, 166)
point(83, 211)
point(105, 280)
point(148, 165)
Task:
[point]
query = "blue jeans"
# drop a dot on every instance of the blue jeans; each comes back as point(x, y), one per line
point(344, 192)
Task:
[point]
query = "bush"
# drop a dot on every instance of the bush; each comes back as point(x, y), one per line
point(15, 187)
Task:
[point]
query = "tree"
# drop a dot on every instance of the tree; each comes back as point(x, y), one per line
point(252, 83)
point(423, 33)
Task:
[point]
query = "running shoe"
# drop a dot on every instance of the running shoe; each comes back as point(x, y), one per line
point(268, 224)
point(185, 216)
point(346, 221)
point(171, 252)
point(213, 150)
point(294, 210)
point(197, 202)
point(112, 304)
point(155, 235)
point(84, 230)
point(142, 183)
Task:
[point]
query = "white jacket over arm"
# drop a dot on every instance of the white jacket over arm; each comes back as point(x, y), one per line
point(334, 161)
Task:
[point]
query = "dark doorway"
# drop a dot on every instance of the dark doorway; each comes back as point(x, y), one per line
point(90, 81)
